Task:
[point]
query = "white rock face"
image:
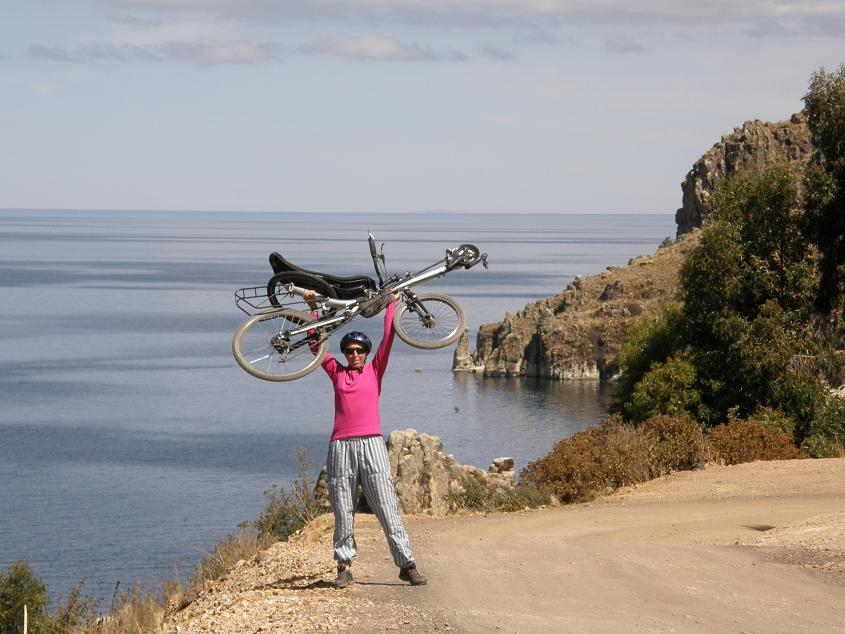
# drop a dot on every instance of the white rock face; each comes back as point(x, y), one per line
point(424, 475)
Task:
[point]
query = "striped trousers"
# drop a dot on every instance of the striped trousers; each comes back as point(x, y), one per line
point(364, 460)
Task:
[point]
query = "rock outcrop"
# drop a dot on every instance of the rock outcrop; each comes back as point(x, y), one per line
point(424, 475)
point(577, 333)
point(752, 148)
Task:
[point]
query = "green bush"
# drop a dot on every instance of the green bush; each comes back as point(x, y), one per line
point(774, 419)
point(826, 435)
point(667, 388)
point(477, 495)
point(20, 586)
point(749, 440)
point(648, 340)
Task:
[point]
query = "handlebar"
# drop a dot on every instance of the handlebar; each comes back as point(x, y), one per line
point(466, 255)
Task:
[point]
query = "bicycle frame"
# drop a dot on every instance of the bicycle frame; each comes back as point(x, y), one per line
point(353, 305)
point(393, 284)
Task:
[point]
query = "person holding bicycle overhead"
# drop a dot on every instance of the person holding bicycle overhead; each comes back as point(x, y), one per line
point(357, 451)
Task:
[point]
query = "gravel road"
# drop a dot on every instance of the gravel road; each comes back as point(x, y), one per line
point(758, 547)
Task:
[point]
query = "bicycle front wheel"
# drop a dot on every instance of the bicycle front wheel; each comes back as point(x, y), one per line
point(433, 321)
point(264, 347)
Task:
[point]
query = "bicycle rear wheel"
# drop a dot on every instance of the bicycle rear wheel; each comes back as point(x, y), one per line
point(263, 347)
point(276, 285)
point(433, 321)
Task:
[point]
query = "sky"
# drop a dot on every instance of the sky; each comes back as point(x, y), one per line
point(503, 106)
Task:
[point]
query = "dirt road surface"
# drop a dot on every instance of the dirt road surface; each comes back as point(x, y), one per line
point(751, 548)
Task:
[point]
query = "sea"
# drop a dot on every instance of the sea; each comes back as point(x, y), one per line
point(131, 442)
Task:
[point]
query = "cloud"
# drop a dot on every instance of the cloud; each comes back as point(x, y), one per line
point(541, 14)
point(623, 45)
point(210, 54)
point(371, 49)
point(770, 28)
point(204, 53)
point(133, 20)
point(497, 53)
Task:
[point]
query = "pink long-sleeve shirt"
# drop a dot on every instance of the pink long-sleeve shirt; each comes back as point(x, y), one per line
point(356, 392)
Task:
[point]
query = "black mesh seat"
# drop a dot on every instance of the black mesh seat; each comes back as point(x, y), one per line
point(348, 287)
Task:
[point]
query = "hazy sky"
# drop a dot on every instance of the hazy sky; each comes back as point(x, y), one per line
point(389, 105)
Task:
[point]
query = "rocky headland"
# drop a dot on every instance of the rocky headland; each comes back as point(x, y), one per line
point(751, 148)
point(577, 334)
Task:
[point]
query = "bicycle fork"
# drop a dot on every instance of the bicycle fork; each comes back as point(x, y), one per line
point(418, 307)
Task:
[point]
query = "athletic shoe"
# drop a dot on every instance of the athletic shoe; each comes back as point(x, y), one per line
point(410, 574)
point(344, 576)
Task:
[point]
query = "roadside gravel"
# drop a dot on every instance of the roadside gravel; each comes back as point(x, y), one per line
point(757, 547)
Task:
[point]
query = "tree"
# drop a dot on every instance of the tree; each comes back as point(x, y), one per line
point(824, 105)
point(18, 587)
point(747, 293)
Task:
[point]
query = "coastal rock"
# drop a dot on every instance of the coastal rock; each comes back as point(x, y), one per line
point(424, 475)
point(752, 148)
point(576, 334)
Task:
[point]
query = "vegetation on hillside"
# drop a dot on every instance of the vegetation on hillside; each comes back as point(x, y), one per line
point(761, 321)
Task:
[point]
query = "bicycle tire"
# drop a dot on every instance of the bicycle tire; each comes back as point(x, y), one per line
point(449, 321)
point(260, 349)
point(303, 280)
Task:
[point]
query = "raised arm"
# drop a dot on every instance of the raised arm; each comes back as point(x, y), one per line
point(383, 352)
point(329, 363)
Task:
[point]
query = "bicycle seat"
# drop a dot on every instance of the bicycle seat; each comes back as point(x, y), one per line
point(348, 287)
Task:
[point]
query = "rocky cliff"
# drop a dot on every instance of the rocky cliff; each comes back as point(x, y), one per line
point(752, 148)
point(577, 333)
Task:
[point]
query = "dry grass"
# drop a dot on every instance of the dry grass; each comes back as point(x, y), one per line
point(143, 607)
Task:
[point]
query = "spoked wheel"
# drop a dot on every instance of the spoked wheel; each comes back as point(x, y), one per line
point(433, 321)
point(276, 285)
point(263, 347)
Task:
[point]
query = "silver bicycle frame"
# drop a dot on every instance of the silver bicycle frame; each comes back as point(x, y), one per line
point(352, 305)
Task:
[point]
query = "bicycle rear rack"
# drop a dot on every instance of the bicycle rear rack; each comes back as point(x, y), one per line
point(254, 299)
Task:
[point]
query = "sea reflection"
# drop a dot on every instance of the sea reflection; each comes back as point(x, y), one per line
point(520, 416)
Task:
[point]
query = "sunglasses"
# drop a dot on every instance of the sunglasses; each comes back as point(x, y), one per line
point(350, 351)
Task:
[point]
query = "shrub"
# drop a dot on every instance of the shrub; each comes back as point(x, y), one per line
point(608, 456)
point(20, 586)
point(139, 609)
point(774, 419)
point(667, 388)
point(677, 443)
point(826, 436)
point(230, 550)
point(288, 511)
point(749, 440)
point(648, 340)
point(819, 446)
point(76, 611)
point(477, 495)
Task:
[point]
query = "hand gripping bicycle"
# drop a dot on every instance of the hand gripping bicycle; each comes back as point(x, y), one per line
point(280, 341)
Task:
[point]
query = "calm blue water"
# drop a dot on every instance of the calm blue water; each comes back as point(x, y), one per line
point(130, 440)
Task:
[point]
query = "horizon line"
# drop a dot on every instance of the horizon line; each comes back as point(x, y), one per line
point(278, 211)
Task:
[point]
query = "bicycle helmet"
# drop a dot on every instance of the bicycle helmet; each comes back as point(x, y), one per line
point(356, 337)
